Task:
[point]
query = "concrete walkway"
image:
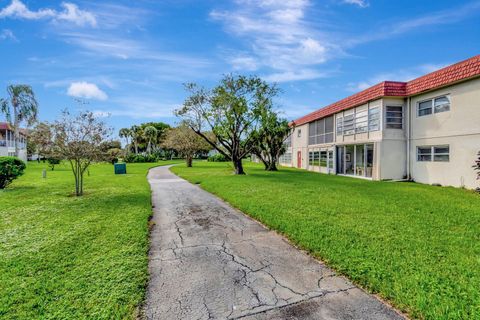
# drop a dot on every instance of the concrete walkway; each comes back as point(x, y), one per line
point(210, 261)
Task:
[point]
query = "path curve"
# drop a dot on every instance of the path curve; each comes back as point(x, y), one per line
point(210, 261)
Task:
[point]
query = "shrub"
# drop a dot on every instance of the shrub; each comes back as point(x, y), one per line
point(52, 162)
point(140, 158)
point(217, 158)
point(10, 169)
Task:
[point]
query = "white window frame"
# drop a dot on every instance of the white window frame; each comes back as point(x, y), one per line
point(432, 102)
point(373, 119)
point(387, 117)
point(433, 153)
point(339, 126)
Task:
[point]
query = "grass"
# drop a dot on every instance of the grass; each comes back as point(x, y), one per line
point(65, 257)
point(417, 246)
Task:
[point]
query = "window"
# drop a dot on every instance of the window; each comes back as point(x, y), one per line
point(349, 124)
point(433, 153)
point(288, 141)
point(340, 126)
point(374, 119)
point(441, 153)
point(436, 105)
point(361, 121)
point(314, 158)
point(320, 131)
point(329, 129)
point(323, 158)
point(299, 133)
point(441, 104)
point(286, 158)
point(394, 117)
point(425, 108)
point(424, 154)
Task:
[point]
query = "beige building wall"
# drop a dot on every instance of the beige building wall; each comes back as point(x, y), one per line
point(459, 128)
point(393, 152)
point(300, 145)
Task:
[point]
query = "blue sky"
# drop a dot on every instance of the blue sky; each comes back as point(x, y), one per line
point(128, 59)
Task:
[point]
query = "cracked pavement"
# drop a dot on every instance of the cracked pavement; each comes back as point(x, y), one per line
point(208, 260)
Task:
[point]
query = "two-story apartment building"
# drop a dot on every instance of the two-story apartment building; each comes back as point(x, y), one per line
point(7, 142)
point(426, 130)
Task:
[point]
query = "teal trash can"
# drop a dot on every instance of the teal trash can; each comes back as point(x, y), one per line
point(120, 168)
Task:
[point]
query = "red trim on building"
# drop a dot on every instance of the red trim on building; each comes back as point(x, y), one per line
point(460, 71)
point(5, 126)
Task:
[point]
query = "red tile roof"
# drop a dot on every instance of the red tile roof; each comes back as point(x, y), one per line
point(5, 126)
point(460, 71)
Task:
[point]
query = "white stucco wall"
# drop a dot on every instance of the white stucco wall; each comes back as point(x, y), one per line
point(459, 128)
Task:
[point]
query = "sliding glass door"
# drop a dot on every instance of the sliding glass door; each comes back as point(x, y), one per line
point(355, 160)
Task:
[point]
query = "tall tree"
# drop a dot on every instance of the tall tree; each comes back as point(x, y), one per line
point(186, 142)
point(231, 111)
point(135, 134)
point(22, 107)
point(150, 133)
point(79, 139)
point(125, 133)
point(270, 138)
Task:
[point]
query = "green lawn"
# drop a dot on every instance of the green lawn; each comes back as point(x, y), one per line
point(64, 257)
point(416, 245)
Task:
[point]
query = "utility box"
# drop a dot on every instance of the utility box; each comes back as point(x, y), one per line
point(120, 168)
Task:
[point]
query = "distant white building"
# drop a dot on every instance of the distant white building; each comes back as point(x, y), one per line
point(7, 142)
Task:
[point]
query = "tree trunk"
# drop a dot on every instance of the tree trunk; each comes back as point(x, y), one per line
point(15, 129)
point(237, 164)
point(189, 160)
point(272, 166)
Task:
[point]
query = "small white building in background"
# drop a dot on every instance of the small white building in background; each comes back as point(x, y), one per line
point(426, 130)
point(7, 142)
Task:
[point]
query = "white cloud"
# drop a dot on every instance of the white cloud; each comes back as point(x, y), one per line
point(7, 34)
point(400, 75)
point(71, 13)
point(450, 16)
point(86, 90)
point(360, 3)
point(16, 9)
point(286, 76)
point(278, 37)
point(141, 108)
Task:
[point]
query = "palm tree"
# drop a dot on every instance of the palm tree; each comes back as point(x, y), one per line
point(24, 107)
point(125, 134)
point(150, 134)
point(135, 134)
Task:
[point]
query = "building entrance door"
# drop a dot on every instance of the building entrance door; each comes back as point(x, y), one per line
point(299, 159)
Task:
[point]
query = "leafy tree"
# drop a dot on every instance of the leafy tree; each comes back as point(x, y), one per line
point(10, 169)
point(42, 137)
point(231, 111)
point(22, 107)
point(125, 133)
point(270, 138)
point(150, 133)
point(52, 162)
point(79, 140)
point(162, 129)
point(186, 142)
point(135, 134)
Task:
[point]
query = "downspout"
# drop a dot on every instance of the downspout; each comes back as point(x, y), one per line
point(409, 124)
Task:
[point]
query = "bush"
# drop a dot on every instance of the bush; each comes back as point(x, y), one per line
point(217, 158)
point(140, 158)
point(52, 162)
point(10, 169)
